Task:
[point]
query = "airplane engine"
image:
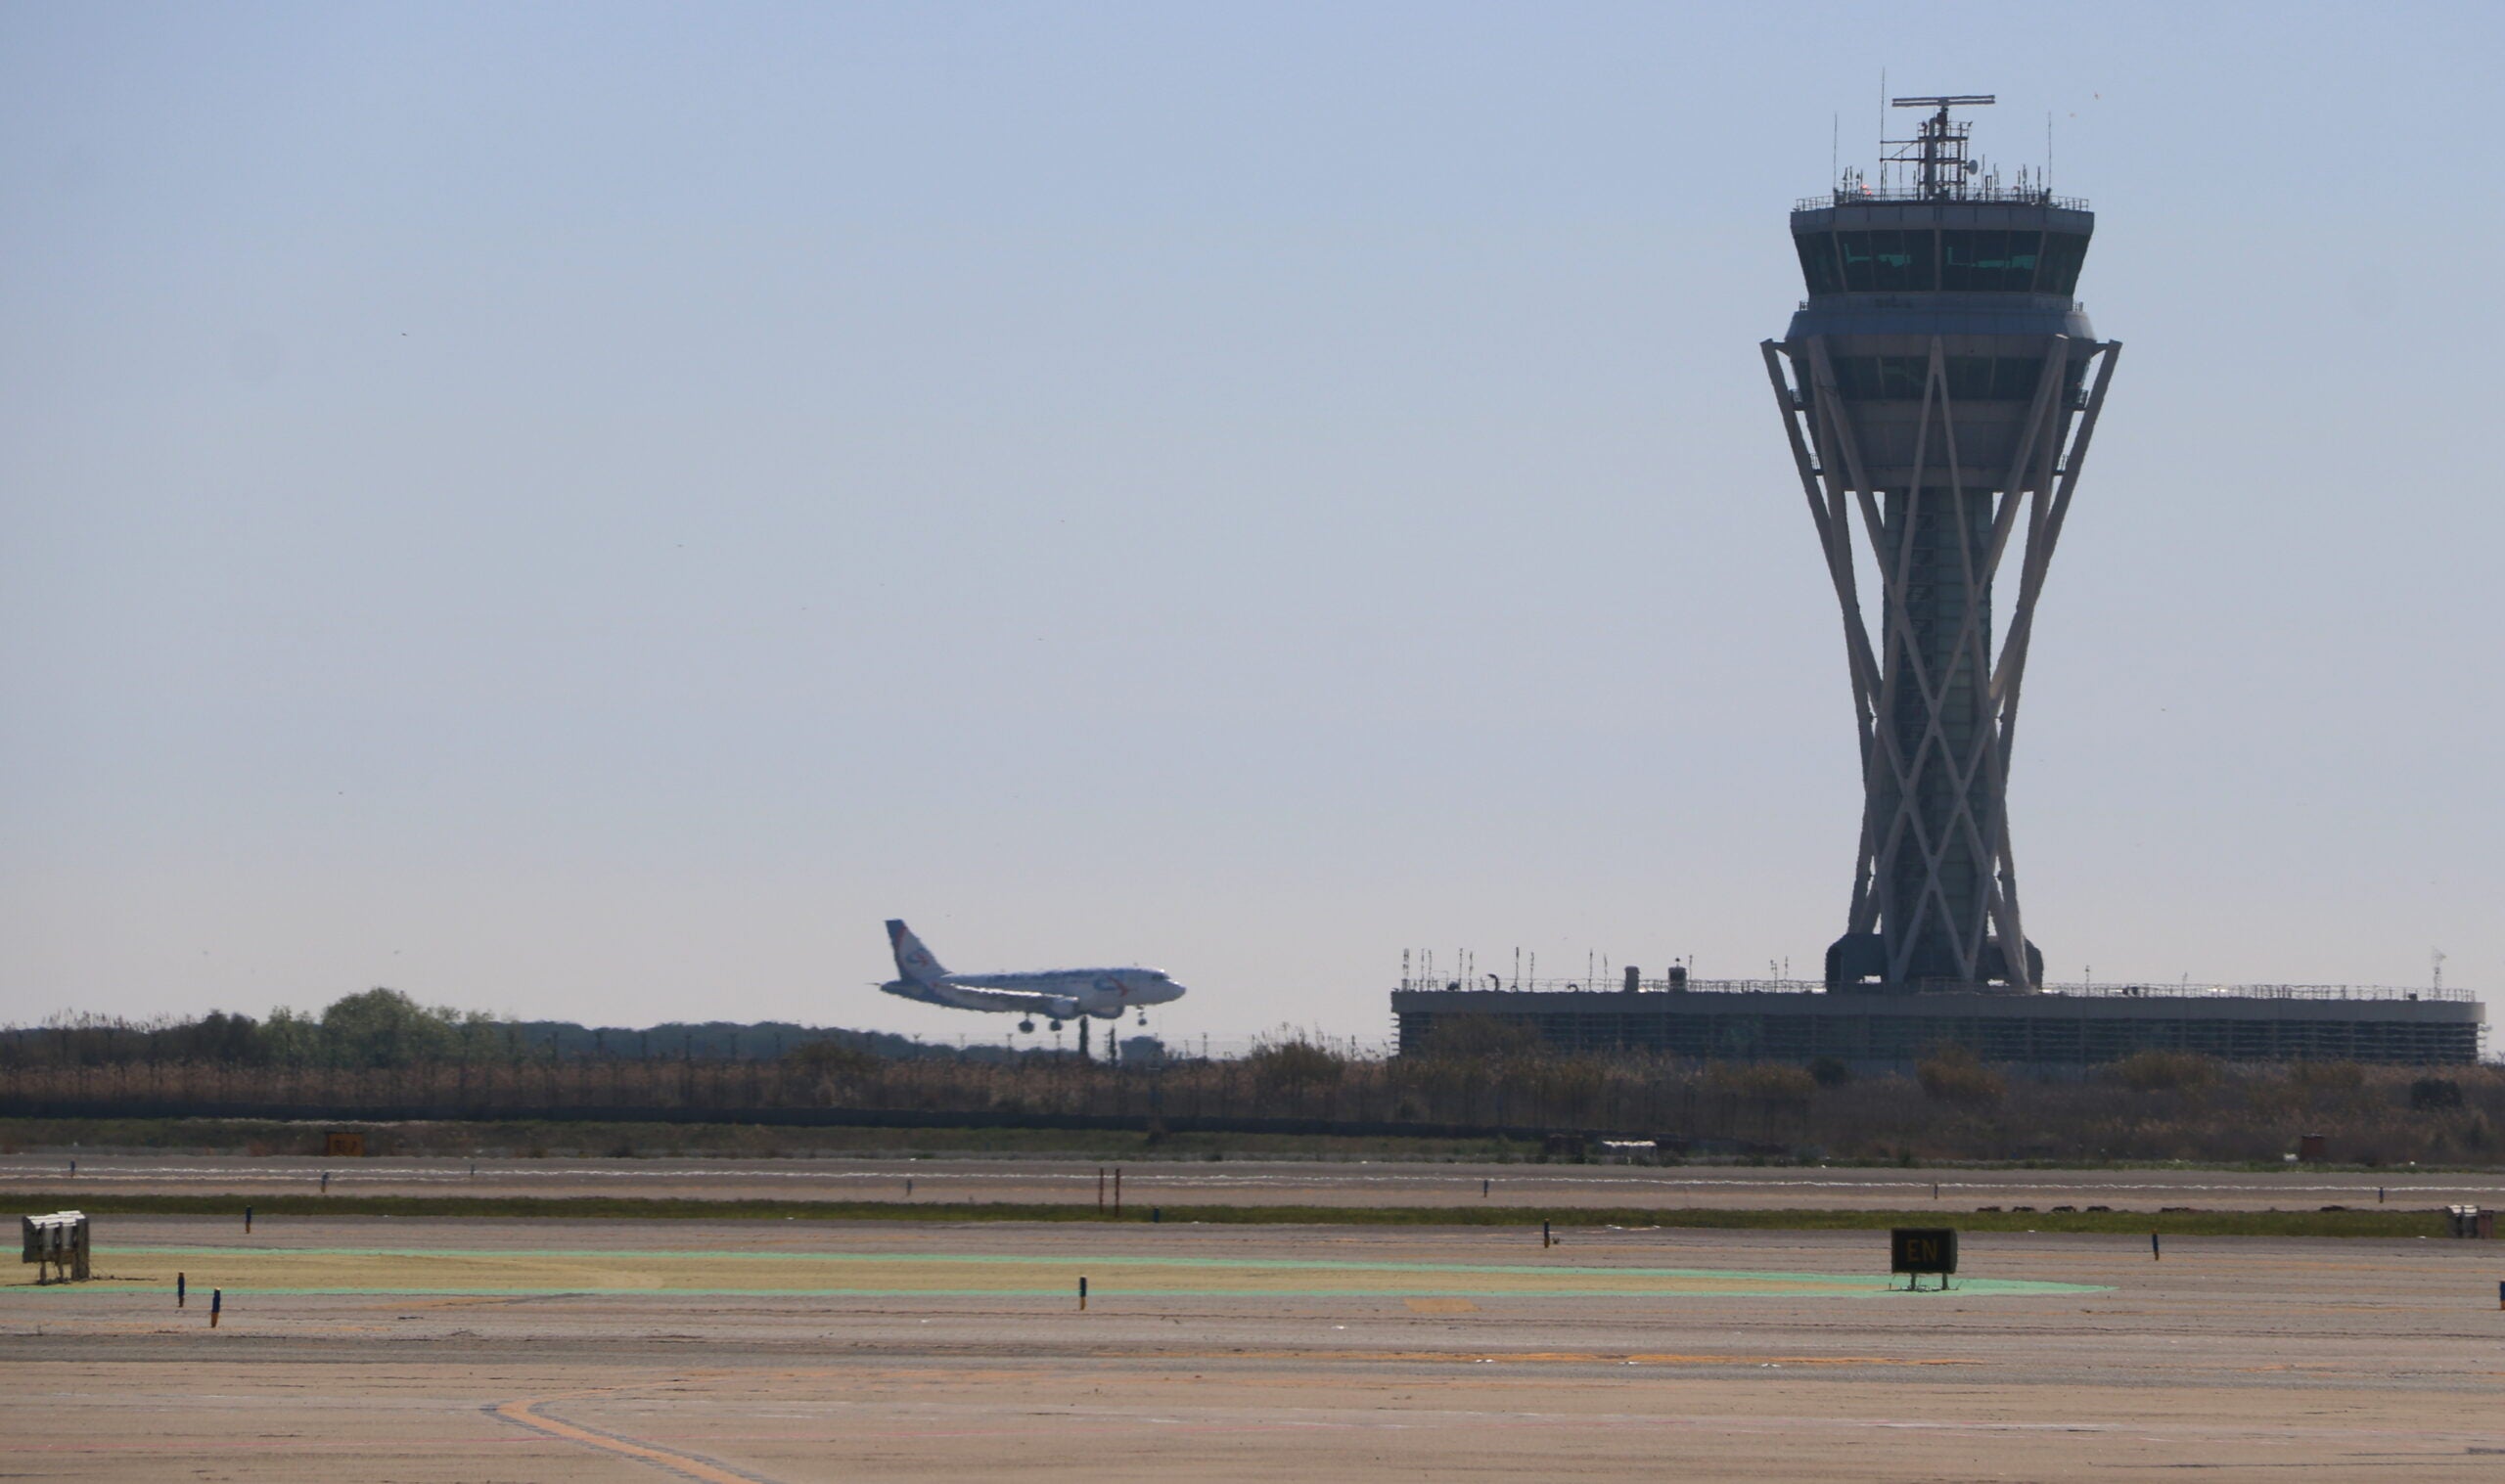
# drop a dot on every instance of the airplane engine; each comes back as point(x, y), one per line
point(1062, 1009)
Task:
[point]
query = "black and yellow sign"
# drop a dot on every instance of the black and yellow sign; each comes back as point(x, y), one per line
point(344, 1145)
point(1921, 1250)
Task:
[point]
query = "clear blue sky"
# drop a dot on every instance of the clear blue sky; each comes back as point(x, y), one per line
point(585, 510)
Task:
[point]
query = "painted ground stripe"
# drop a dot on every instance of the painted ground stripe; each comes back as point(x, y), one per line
point(686, 1465)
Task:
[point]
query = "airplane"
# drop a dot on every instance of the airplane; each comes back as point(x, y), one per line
point(1056, 994)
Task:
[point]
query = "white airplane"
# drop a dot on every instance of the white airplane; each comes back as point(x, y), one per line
point(1056, 994)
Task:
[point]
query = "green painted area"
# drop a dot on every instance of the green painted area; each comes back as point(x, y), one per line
point(596, 1272)
point(1090, 1261)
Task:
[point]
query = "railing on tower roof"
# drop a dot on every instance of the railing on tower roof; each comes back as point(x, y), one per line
point(1863, 196)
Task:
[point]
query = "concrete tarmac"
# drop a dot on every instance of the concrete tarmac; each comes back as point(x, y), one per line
point(584, 1350)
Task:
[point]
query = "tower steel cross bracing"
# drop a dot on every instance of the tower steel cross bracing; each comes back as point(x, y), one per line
point(1940, 384)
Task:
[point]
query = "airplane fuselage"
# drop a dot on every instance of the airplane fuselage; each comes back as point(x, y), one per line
point(1062, 993)
point(1056, 994)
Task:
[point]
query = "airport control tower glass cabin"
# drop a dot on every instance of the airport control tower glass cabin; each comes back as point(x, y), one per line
point(1939, 385)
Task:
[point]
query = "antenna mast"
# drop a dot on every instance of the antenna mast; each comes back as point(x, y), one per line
point(1937, 149)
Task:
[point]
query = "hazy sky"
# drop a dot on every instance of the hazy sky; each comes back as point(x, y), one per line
point(584, 510)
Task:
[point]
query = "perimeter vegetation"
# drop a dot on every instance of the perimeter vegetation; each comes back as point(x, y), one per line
point(1479, 1089)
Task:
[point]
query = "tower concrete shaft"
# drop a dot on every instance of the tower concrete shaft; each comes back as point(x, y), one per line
point(1938, 389)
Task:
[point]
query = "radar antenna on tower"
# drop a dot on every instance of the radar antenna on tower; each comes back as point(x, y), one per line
point(1937, 149)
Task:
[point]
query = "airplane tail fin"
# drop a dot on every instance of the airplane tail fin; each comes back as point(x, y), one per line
point(913, 962)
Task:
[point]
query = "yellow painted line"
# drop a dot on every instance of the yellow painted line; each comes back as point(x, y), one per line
point(686, 1465)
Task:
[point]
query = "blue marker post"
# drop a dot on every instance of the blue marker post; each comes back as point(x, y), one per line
point(1082, 1294)
point(247, 1221)
point(2154, 1254)
point(179, 1286)
point(2500, 1295)
point(1545, 1240)
point(216, 1305)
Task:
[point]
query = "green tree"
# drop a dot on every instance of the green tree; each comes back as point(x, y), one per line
point(383, 1027)
point(293, 1037)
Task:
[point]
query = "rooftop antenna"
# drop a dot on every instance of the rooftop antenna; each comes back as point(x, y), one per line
point(1937, 149)
point(2436, 956)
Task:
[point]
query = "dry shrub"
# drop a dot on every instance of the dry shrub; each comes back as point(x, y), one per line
point(1767, 1084)
point(1563, 1083)
point(1294, 1062)
point(2434, 1095)
point(830, 1059)
point(2320, 1077)
point(2156, 1071)
point(1953, 1075)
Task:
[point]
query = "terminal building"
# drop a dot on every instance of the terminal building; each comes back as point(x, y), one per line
point(1938, 386)
point(2055, 1029)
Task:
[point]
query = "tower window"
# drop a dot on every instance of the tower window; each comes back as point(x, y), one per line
point(1989, 262)
point(1970, 378)
point(1887, 262)
point(2063, 251)
point(1819, 267)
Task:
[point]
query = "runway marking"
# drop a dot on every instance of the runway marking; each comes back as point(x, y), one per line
point(687, 1465)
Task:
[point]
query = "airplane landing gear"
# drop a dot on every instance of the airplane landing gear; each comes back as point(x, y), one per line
point(1026, 1026)
point(1056, 1027)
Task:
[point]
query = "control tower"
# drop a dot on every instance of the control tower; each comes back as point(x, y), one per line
point(1940, 385)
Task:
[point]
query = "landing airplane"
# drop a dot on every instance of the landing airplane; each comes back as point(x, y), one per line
point(1056, 994)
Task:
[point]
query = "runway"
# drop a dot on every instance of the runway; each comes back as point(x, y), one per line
point(1529, 1187)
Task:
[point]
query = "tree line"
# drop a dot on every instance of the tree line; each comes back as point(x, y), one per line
point(384, 1028)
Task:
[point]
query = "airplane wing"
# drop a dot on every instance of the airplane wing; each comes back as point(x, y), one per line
point(1027, 1001)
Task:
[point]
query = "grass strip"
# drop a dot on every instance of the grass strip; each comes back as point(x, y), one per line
point(2381, 1222)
